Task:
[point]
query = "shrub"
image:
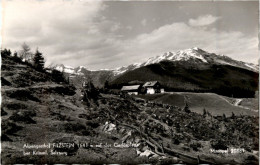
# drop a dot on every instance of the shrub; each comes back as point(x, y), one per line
point(93, 123)
point(58, 76)
point(66, 90)
point(219, 145)
point(76, 128)
point(10, 128)
point(22, 117)
point(16, 58)
point(3, 113)
point(84, 116)
point(176, 141)
point(5, 82)
point(5, 138)
point(23, 95)
point(16, 106)
point(195, 146)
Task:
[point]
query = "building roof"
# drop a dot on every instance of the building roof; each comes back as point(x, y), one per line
point(150, 84)
point(130, 88)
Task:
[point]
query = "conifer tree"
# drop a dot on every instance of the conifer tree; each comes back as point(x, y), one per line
point(16, 58)
point(38, 61)
point(204, 112)
point(90, 92)
point(15, 54)
point(106, 85)
point(5, 53)
point(233, 115)
point(186, 108)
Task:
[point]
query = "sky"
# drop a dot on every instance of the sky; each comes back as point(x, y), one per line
point(109, 34)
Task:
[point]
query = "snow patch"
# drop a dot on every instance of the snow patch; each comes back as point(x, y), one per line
point(254, 67)
point(195, 48)
point(222, 62)
point(59, 68)
point(137, 64)
point(183, 55)
point(109, 127)
point(68, 67)
point(69, 70)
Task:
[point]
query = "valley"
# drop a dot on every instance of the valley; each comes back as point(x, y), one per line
point(190, 70)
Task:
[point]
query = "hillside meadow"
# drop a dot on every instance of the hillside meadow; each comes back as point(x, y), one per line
point(213, 103)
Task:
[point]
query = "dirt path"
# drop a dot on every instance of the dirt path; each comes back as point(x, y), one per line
point(30, 87)
point(237, 102)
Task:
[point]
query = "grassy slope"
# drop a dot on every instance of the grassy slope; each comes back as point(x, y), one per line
point(36, 110)
point(252, 103)
point(215, 104)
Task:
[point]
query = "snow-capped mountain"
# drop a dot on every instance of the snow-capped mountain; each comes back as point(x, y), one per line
point(193, 55)
point(81, 69)
point(194, 58)
point(197, 55)
point(182, 55)
point(123, 69)
point(66, 69)
point(70, 70)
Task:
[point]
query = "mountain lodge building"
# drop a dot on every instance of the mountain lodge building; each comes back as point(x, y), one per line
point(153, 87)
point(150, 87)
point(132, 90)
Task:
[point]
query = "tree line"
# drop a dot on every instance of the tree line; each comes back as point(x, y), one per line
point(25, 54)
point(35, 60)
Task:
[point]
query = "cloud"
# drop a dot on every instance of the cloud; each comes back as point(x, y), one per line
point(63, 30)
point(129, 27)
point(203, 20)
point(76, 33)
point(144, 22)
point(178, 36)
point(115, 27)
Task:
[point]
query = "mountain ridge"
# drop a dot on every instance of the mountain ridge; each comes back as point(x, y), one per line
point(187, 70)
point(194, 55)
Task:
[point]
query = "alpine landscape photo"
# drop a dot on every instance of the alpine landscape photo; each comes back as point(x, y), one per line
point(129, 82)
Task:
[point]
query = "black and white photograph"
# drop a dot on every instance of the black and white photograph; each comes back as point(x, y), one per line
point(129, 82)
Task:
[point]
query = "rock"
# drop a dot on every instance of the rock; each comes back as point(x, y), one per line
point(146, 153)
point(109, 127)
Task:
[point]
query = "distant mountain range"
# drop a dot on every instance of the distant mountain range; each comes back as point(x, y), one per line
point(193, 55)
point(190, 69)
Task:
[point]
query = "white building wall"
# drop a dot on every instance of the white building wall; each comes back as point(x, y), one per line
point(133, 93)
point(150, 91)
point(162, 90)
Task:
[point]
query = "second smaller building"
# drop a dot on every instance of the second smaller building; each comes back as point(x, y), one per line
point(132, 90)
